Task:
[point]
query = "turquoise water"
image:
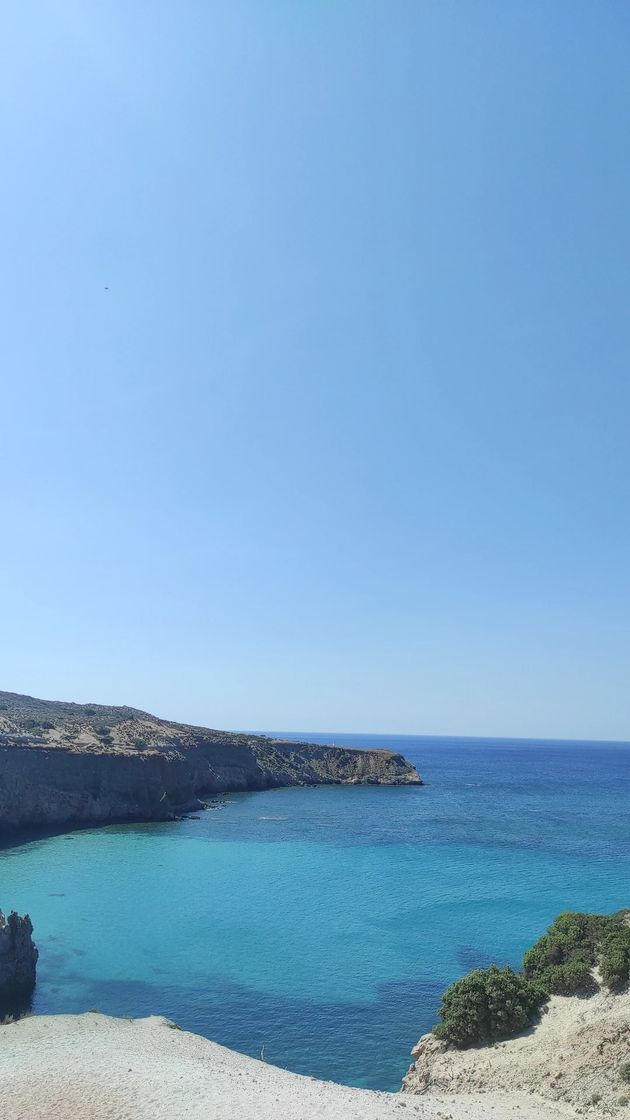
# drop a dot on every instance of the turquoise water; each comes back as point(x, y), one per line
point(323, 924)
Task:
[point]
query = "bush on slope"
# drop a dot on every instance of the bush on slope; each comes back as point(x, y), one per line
point(494, 1003)
point(488, 1004)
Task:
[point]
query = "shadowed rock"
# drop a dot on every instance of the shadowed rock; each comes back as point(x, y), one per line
point(18, 956)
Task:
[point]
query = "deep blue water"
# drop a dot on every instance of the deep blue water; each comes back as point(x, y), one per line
point(323, 924)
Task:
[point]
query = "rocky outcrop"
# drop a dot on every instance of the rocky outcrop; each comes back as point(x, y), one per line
point(578, 1055)
point(72, 763)
point(18, 956)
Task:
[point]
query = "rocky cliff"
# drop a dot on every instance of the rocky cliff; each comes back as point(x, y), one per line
point(18, 956)
point(63, 763)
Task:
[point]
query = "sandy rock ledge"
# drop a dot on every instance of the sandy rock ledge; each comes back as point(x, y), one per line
point(92, 1067)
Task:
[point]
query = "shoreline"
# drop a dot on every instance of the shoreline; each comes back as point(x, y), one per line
point(14, 836)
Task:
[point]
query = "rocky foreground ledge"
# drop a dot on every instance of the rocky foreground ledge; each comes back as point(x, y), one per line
point(63, 763)
point(577, 1058)
point(91, 1067)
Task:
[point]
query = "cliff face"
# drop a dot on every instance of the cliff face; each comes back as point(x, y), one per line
point(73, 763)
point(18, 956)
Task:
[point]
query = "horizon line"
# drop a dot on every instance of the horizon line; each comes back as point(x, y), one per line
point(442, 735)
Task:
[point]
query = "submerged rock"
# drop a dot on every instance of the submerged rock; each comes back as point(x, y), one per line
point(18, 955)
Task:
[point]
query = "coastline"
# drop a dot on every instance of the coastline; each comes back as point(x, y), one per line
point(66, 764)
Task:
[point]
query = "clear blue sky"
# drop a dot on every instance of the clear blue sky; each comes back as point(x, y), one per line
point(345, 444)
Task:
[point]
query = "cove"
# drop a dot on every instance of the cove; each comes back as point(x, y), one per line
point(323, 924)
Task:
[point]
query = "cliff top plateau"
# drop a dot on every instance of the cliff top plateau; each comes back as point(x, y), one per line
point(105, 729)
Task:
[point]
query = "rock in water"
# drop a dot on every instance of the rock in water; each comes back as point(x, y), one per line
point(18, 955)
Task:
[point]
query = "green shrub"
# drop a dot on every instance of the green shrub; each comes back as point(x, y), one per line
point(615, 956)
point(562, 959)
point(570, 979)
point(624, 1071)
point(614, 970)
point(487, 1004)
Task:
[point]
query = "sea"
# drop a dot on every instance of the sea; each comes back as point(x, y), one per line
point(319, 927)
